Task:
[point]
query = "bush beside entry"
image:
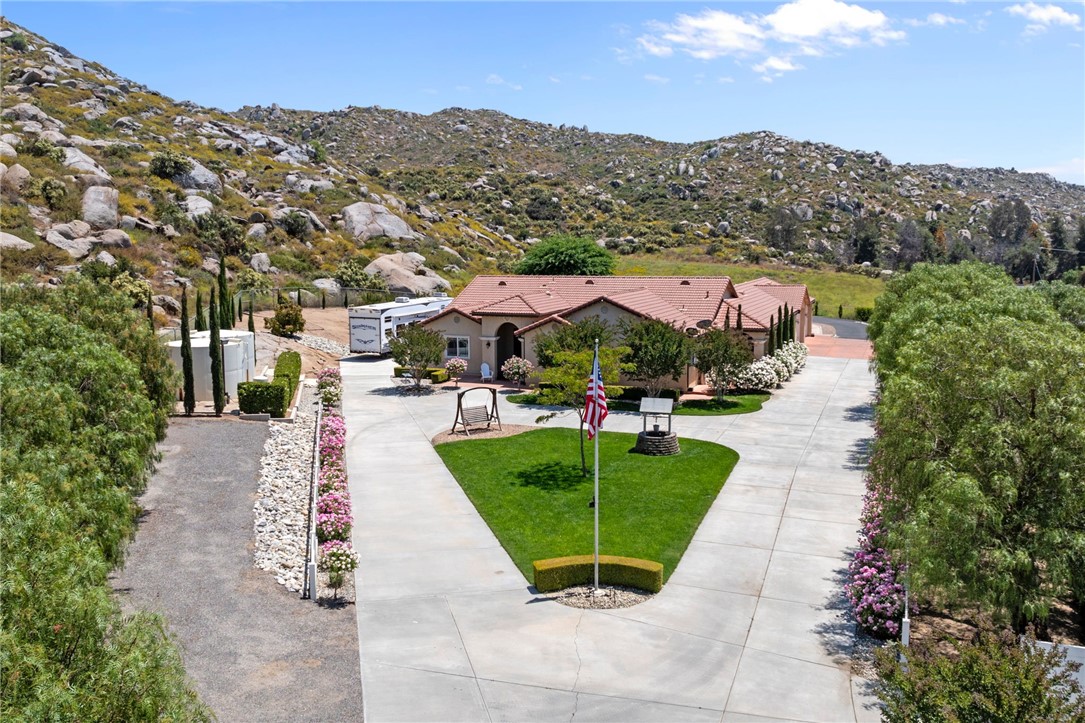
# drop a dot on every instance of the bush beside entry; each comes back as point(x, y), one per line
point(558, 573)
point(263, 398)
point(288, 371)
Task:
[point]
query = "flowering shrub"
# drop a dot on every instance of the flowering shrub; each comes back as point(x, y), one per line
point(793, 354)
point(333, 438)
point(759, 376)
point(778, 366)
point(517, 368)
point(329, 385)
point(333, 526)
point(455, 367)
point(337, 559)
point(332, 479)
point(873, 589)
point(335, 502)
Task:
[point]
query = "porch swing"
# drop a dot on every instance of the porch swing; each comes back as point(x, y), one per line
point(467, 417)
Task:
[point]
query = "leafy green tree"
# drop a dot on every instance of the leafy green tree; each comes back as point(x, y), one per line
point(658, 352)
point(1007, 227)
point(218, 382)
point(1068, 300)
point(417, 348)
point(565, 383)
point(996, 677)
point(1081, 242)
point(781, 229)
point(287, 320)
point(564, 255)
point(219, 231)
point(201, 319)
point(1059, 238)
point(251, 280)
point(721, 355)
point(911, 246)
point(864, 239)
point(296, 224)
point(186, 358)
point(573, 337)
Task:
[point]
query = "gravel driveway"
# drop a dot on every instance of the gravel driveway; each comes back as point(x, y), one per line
point(254, 650)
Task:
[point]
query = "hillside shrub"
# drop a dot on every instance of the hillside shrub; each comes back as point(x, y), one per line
point(296, 224)
point(50, 190)
point(998, 676)
point(286, 321)
point(863, 313)
point(263, 398)
point(351, 275)
point(42, 148)
point(16, 41)
point(288, 371)
point(170, 163)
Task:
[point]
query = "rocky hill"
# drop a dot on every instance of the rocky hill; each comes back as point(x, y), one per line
point(100, 168)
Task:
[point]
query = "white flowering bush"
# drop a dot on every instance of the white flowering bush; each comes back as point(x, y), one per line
point(760, 376)
point(793, 354)
point(778, 366)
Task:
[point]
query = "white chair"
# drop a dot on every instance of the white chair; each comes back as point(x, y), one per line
point(487, 375)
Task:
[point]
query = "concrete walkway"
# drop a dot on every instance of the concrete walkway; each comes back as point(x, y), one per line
point(749, 627)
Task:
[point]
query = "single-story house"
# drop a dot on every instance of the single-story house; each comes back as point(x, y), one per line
point(496, 317)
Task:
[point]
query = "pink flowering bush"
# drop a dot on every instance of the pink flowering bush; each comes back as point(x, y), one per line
point(333, 526)
point(517, 368)
point(873, 589)
point(455, 367)
point(333, 439)
point(334, 502)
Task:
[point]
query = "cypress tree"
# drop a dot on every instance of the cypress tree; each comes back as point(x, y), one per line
point(779, 327)
point(218, 391)
point(201, 320)
point(727, 320)
point(787, 326)
point(738, 326)
point(240, 310)
point(150, 310)
point(323, 300)
point(299, 297)
point(791, 326)
point(186, 358)
point(225, 307)
point(252, 324)
point(770, 342)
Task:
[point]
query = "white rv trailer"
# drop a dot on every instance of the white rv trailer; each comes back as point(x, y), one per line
point(373, 325)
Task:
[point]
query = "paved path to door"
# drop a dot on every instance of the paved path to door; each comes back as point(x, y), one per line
point(749, 627)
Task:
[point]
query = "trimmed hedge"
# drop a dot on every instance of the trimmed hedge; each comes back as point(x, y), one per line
point(288, 372)
point(558, 573)
point(263, 398)
point(437, 375)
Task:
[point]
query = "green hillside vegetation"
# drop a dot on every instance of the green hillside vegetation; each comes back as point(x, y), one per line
point(85, 393)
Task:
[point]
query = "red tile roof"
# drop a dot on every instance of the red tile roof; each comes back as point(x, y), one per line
point(685, 301)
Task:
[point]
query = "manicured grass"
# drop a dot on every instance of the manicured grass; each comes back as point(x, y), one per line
point(531, 493)
point(733, 404)
point(831, 288)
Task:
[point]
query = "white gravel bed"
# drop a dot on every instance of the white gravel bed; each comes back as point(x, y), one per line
point(282, 497)
point(608, 597)
point(321, 344)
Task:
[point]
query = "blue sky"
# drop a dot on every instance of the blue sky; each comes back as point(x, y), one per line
point(968, 83)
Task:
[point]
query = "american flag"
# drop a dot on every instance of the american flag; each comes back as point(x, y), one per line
point(595, 403)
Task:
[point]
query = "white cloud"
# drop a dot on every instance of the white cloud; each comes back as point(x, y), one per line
point(657, 79)
point(553, 79)
point(800, 27)
point(938, 20)
point(1043, 17)
point(711, 34)
point(725, 79)
point(495, 79)
point(774, 67)
point(1072, 170)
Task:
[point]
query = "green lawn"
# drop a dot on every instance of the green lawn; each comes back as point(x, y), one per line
point(531, 493)
point(735, 404)
point(831, 288)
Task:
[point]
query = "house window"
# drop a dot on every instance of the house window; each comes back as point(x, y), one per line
point(457, 346)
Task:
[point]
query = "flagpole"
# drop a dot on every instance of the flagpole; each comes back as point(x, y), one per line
point(596, 482)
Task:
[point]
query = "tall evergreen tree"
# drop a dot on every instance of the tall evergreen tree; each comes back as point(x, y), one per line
point(252, 324)
point(299, 297)
point(738, 325)
point(150, 310)
point(189, 393)
point(770, 341)
point(218, 383)
point(240, 309)
point(201, 320)
point(225, 306)
point(788, 320)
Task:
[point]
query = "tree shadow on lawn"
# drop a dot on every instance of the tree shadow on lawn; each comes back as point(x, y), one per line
point(552, 476)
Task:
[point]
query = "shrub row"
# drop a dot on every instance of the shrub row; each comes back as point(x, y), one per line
point(873, 588)
point(288, 371)
point(558, 573)
point(771, 370)
point(436, 375)
point(263, 398)
point(635, 394)
point(334, 518)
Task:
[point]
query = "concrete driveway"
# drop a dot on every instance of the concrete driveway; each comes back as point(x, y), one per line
point(751, 625)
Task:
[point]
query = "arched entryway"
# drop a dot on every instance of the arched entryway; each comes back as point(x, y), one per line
point(508, 345)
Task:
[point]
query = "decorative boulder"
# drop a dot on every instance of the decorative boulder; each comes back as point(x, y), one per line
point(366, 220)
point(100, 207)
point(199, 178)
point(260, 262)
point(11, 242)
point(407, 272)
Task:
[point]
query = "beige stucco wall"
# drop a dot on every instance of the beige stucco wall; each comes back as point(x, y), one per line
point(458, 325)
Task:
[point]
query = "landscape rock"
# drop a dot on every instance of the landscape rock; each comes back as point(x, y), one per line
point(169, 304)
point(115, 238)
point(11, 242)
point(260, 262)
point(330, 286)
point(367, 220)
point(73, 229)
point(256, 231)
point(77, 248)
point(7, 151)
point(15, 179)
point(79, 161)
point(196, 206)
point(406, 272)
point(199, 178)
point(100, 207)
point(106, 258)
